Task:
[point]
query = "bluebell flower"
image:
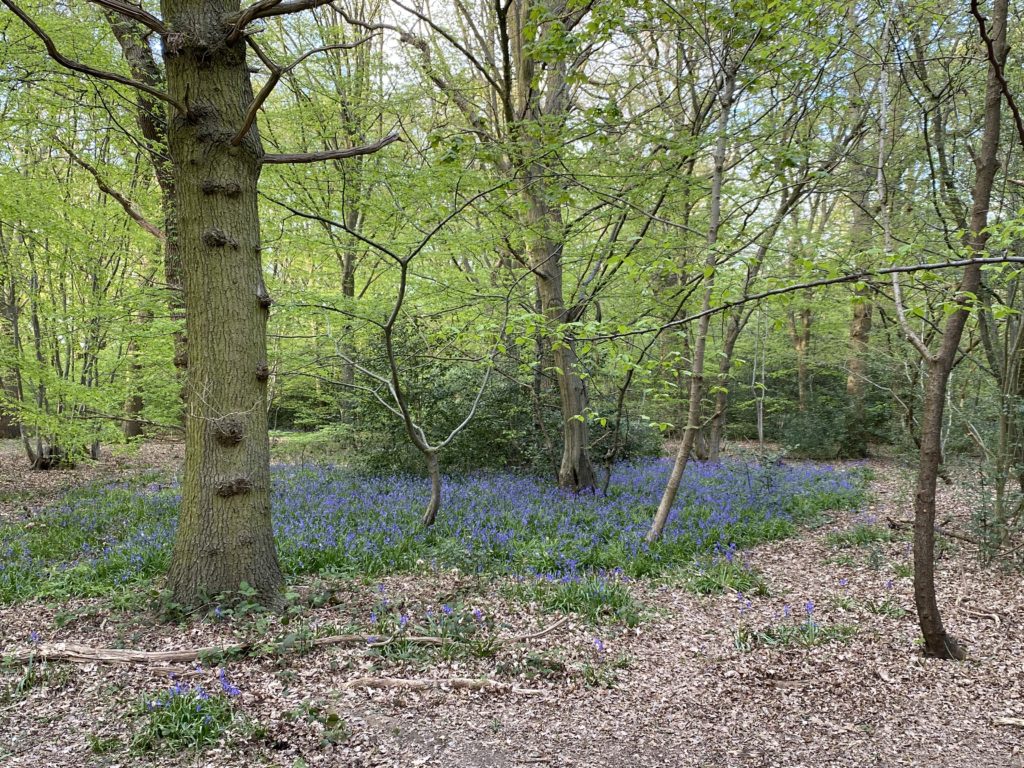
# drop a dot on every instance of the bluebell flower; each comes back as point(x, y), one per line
point(226, 685)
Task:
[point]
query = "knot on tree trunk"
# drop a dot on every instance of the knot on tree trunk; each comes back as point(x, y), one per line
point(229, 430)
point(234, 487)
point(218, 238)
point(264, 299)
point(181, 357)
point(220, 187)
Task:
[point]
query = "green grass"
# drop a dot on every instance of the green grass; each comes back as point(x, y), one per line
point(887, 607)
point(188, 718)
point(600, 600)
point(860, 535)
point(715, 574)
point(804, 634)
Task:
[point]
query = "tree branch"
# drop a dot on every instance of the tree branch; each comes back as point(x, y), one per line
point(849, 277)
point(997, 69)
point(77, 66)
point(131, 11)
point(123, 201)
point(901, 318)
point(266, 8)
point(276, 73)
point(329, 154)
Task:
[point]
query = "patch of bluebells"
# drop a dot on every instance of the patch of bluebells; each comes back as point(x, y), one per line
point(500, 522)
point(186, 715)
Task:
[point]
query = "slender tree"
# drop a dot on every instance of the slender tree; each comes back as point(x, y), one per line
point(937, 642)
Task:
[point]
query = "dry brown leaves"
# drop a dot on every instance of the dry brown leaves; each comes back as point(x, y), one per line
point(685, 697)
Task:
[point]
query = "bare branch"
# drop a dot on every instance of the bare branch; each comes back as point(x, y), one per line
point(849, 277)
point(901, 316)
point(276, 73)
point(123, 201)
point(266, 8)
point(77, 66)
point(998, 69)
point(329, 154)
point(132, 11)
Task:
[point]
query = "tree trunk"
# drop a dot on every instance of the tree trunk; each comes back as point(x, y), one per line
point(224, 535)
point(732, 333)
point(575, 470)
point(542, 95)
point(936, 641)
point(856, 380)
point(700, 344)
point(434, 470)
point(856, 437)
point(800, 333)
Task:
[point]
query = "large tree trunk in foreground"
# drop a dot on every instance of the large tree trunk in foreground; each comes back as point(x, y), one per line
point(224, 533)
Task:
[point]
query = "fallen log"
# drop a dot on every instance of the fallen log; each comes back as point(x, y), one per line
point(421, 683)
point(85, 654)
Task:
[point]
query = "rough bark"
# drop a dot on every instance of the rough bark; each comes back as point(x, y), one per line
point(434, 471)
point(575, 470)
point(224, 535)
point(733, 326)
point(800, 334)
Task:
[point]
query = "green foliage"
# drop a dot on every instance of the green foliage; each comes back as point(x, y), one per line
point(859, 535)
point(599, 599)
point(335, 729)
point(17, 681)
point(453, 631)
point(76, 534)
point(183, 718)
point(887, 607)
point(103, 745)
point(715, 574)
point(805, 634)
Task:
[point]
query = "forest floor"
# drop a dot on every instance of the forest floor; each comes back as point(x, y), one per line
point(679, 689)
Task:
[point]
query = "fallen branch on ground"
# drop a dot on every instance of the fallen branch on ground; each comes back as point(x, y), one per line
point(421, 683)
point(899, 525)
point(85, 654)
